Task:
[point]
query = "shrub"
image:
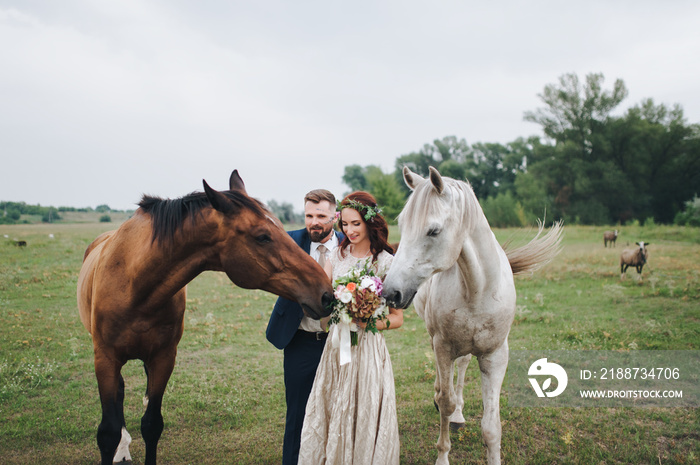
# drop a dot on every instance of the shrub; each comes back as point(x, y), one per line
point(691, 215)
point(105, 219)
point(503, 211)
point(50, 215)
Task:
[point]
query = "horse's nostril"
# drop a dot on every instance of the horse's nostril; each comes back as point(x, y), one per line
point(326, 299)
point(394, 297)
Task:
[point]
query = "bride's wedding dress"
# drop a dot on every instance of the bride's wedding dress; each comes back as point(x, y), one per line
point(351, 412)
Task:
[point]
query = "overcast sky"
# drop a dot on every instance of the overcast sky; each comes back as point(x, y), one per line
point(104, 101)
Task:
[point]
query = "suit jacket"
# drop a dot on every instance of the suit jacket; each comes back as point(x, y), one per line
point(287, 314)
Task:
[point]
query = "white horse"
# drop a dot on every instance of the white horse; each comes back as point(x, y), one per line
point(462, 280)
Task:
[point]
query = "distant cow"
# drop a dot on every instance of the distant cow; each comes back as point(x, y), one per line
point(636, 257)
point(21, 243)
point(609, 236)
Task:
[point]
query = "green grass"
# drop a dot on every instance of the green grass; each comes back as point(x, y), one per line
point(225, 400)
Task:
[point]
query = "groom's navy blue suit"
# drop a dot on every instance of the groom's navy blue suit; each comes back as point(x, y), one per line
point(302, 353)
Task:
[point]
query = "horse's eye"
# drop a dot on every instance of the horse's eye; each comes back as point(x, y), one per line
point(263, 238)
point(434, 232)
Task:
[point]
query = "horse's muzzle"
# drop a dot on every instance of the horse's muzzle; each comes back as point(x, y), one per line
point(395, 299)
point(326, 302)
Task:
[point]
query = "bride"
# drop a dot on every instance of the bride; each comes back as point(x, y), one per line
point(351, 412)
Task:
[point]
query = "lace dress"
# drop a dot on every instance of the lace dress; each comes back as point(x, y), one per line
point(351, 412)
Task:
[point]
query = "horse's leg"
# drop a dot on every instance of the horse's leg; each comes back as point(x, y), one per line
point(111, 387)
point(493, 370)
point(444, 397)
point(158, 371)
point(122, 454)
point(457, 420)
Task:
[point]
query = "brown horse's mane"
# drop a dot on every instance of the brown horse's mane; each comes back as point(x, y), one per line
point(168, 215)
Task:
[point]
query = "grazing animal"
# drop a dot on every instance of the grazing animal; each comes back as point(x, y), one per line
point(131, 290)
point(462, 281)
point(609, 236)
point(636, 257)
point(21, 243)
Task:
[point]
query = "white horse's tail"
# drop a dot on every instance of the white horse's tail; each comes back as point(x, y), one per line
point(536, 253)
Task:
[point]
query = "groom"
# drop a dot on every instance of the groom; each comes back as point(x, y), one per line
point(301, 337)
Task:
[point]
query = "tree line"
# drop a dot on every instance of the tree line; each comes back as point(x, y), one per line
point(589, 167)
point(11, 212)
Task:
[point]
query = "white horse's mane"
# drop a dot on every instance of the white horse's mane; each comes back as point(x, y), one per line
point(425, 204)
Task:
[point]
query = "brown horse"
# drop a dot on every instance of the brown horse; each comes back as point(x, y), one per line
point(131, 290)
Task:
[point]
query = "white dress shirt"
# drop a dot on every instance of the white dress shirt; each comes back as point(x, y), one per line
point(309, 324)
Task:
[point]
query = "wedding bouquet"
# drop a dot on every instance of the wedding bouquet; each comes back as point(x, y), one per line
point(358, 294)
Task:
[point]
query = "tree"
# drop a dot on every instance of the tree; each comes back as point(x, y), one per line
point(591, 168)
point(575, 112)
point(577, 169)
point(660, 155)
point(285, 212)
point(384, 187)
point(495, 166)
point(441, 150)
point(451, 156)
point(388, 193)
point(355, 177)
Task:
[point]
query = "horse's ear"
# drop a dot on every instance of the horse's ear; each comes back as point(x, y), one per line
point(436, 179)
point(236, 183)
point(410, 178)
point(218, 200)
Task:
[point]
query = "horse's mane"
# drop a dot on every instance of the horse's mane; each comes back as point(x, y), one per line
point(168, 215)
point(425, 204)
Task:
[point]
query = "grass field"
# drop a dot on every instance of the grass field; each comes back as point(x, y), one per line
point(225, 400)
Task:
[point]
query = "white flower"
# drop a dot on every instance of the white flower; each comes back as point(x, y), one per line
point(380, 311)
point(368, 283)
point(345, 318)
point(345, 297)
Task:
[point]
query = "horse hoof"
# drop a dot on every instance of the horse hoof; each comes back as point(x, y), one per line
point(454, 427)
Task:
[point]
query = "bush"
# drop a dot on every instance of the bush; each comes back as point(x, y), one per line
point(503, 211)
point(105, 219)
point(691, 215)
point(50, 215)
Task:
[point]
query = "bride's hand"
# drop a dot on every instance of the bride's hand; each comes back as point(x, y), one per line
point(360, 324)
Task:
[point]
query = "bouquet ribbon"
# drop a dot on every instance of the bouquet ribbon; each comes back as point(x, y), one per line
point(341, 341)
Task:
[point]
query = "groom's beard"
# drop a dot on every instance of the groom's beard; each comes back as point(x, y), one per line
point(319, 233)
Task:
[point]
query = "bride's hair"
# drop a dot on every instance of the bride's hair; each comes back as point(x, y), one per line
point(377, 228)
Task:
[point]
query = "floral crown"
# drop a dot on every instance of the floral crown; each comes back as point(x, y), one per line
point(369, 211)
